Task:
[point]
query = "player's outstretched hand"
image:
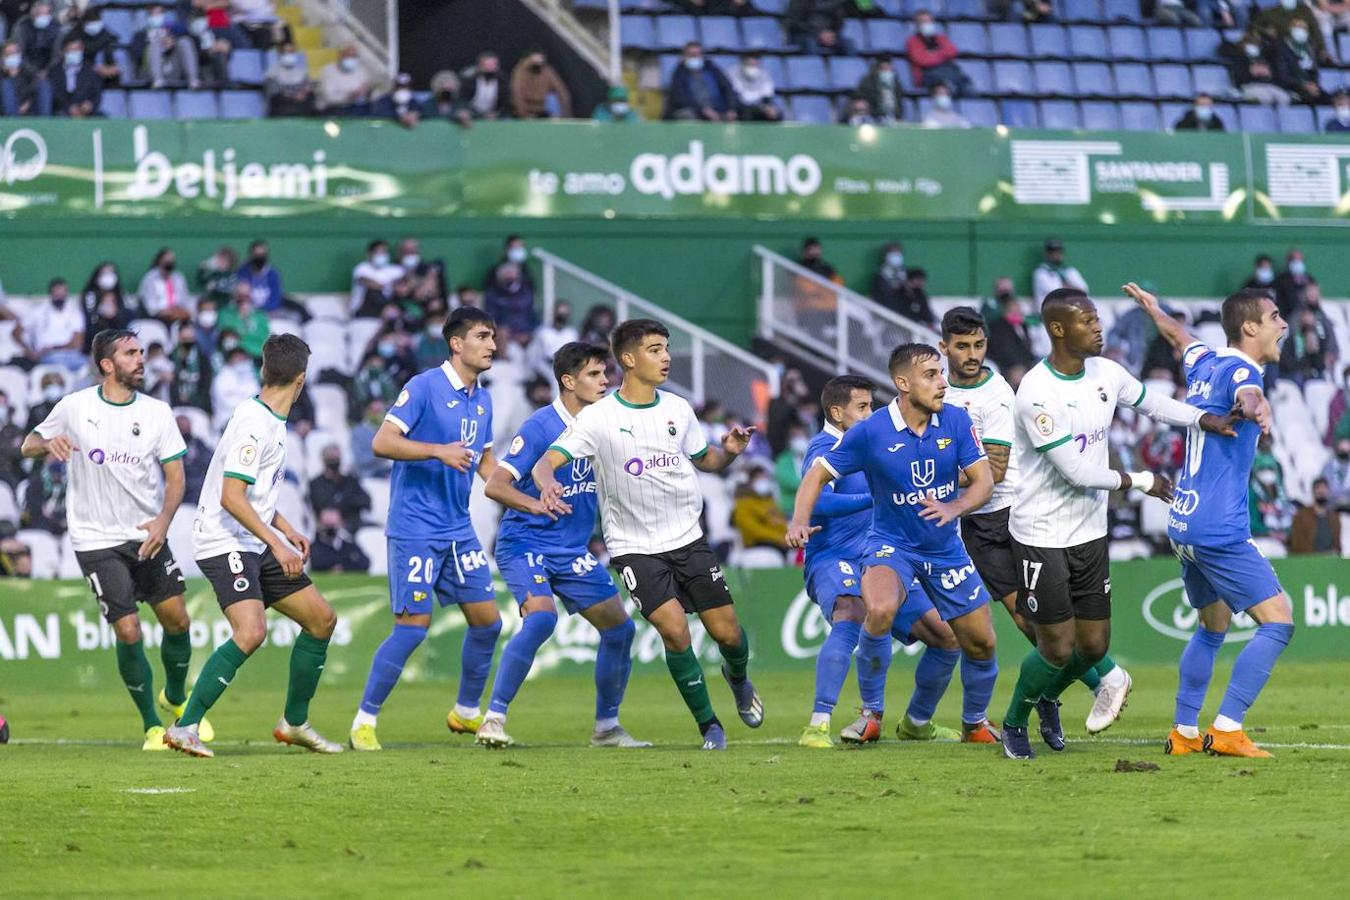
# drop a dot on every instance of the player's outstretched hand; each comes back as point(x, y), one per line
point(456, 456)
point(1141, 296)
point(157, 532)
point(737, 439)
point(61, 447)
point(799, 535)
point(937, 512)
point(1224, 425)
point(291, 562)
point(1162, 488)
point(1263, 416)
point(299, 542)
point(552, 500)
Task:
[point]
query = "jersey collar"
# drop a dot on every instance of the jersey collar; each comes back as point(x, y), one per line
point(562, 412)
point(899, 421)
point(455, 381)
point(1233, 351)
point(832, 431)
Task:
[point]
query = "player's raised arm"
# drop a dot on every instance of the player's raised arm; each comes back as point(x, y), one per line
point(1172, 331)
point(49, 437)
point(715, 459)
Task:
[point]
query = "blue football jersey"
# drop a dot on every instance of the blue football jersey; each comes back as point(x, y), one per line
point(540, 534)
point(902, 468)
point(840, 537)
point(429, 499)
point(1210, 505)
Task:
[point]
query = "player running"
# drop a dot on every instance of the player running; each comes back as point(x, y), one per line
point(124, 455)
point(1209, 527)
point(1063, 415)
point(541, 553)
point(834, 560)
point(255, 559)
point(644, 445)
point(912, 454)
point(989, 400)
point(439, 432)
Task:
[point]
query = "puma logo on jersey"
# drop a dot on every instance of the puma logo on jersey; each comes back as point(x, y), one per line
point(92, 422)
point(627, 431)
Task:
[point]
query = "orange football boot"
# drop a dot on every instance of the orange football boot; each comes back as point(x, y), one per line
point(1177, 744)
point(984, 733)
point(1231, 743)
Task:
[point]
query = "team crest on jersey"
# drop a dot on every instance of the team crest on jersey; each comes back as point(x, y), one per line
point(670, 427)
point(480, 410)
point(136, 429)
point(1194, 354)
point(1101, 392)
point(1044, 424)
point(247, 454)
point(403, 398)
point(419, 596)
point(944, 443)
point(1241, 374)
point(517, 445)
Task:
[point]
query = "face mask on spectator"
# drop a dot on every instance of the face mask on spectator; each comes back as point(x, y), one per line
point(751, 69)
point(168, 265)
point(516, 255)
point(243, 366)
point(1289, 4)
point(928, 29)
point(402, 96)
point(107, 280)
point(207, 318)
point(93, 27)
point(290, 60)
point(1252, 50)
point(380, 259)
point(694, 63)
point(411, 261)
point(895, 259)
point(1343, 451)
point(1298, 35)
point(1265, 274)
point(155, 20)
point(53, 392)
point(1204, 113)
point(42, 21)
point(229, 344)
point(198, 26)
point(887, 76)
point(762, 486)
point(1298, 267)
point(942, 101)
point(58, 302)
point(386, 348)
point(798, 445)
point(13, 60)
point(434, 330)
point(1267, 477)
point(348, 63)
point(620, 110)
point(259, 261)
point(1343, 115)
point(74, 57)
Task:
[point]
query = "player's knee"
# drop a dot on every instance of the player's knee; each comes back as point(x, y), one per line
point(494, 628)
point(849, 609)
point(1056, 652)
point(1093, 650)
point(980, 646)
point(541, 621)
point(175, 621)
point(675, 639)
point(249, 636)
point(324, 623)
point(621, 633)
point(127, 629)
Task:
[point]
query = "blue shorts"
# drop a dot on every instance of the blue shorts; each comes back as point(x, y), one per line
point(1237, 574)
point(829, 579)
point(455, 571)
point(948, 576)
point(577, 579)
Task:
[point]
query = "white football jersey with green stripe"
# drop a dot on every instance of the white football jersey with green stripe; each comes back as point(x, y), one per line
point(990, 404)
point(252, 450)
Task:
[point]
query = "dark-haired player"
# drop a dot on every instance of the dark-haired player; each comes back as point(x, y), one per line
point(439, 433)
point(542, 552)
point(255, 559)
point(123, 455)
point(644, 445)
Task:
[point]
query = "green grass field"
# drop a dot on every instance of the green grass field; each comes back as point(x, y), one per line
point(85, 812)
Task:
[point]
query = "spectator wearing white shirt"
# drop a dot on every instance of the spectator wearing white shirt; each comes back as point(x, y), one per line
point(164, 291)
point(755, 91)
point(54, 332)
point(236, 381)
point(373, 280)
point(1053, 274)
point(259, 19)
point(549, 338)
point(942, 113)
point(481, 90)
point(345, 85)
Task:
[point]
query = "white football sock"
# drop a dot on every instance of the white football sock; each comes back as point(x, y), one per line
point(467, 712)
point(1188, 731)
point(819, 719)
point(919, 723)
point(363, 718)
point(1223, 723)
point(603, 725)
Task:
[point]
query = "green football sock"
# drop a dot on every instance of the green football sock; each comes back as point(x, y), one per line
point(1036, 677)
point(737, 658)
point(215, 677)
point(1093, 676)
point(307, 658)
point(688, 675)
point(1073, 670)
point(139, 679)
point(176, 652)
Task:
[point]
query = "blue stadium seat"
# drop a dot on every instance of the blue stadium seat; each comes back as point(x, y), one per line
point(846, 72)
point(855, 32)
point(149, 105)
point(131, 74)
point(669, 61)
point(772, 7)
point(1343, 45)
point(969, 37)
point(886, 35)
point(1087, 42)
point(964, 9)
point(114, 104)
point(1132, 80)
point(728, 61)
point(1202, 43)
point(242, 105)
point(1121, 11)
point(1167, 44)
point(1019, 114)
point(1169, 112)
point(1296, 120)
point(719, 33)
point(1173, 81)
point(1053, 79)
point(592, 5)
point(1013, 77)
point(1139, 116)
point(1081, 10)
point(1048, 41)
point(813, 108)
point(981, 113)
point(195, 105)
point(673, 32)
point(1126, 42)
point(1093, 79)
point(981, 79)
point(762, 33)
point(638, 33)
point(777, 71)
point(121, 22)
point(246, 66)
point(1062, 114)
point(1100, 115)
point(1213, 80)
point(1257, 118)
point(806, 73)
point(894, 8)
point(1007, 39)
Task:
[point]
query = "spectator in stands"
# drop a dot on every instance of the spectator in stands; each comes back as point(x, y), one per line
point(38, 35)
point(345, 85)
point(16, 560)
point(207, 322)
point(616, 107)
point(816, 25)
point(77, 89)
point(166, 51)
point(399, 106)
point(1175, 12)
point(259, 19)
point(372, 382)
point(246, 320)
point(103, 279)
point(1336, 473)
point(1200, 117)
point(287, 86)
point(1263, 274)
point(1053, 273)
point(1251, 71)
point(1332, 16)
point(549, 338)
point(755, 513)
point(510, 301)
point(1132, 336)
point(1291, 284)
point(1162, 360)
point(45, 503)
point(888, 282)
point(1009, 337)
point(859, 113)
point(444, 102)
point(54, 332)
point(335, 549)
point(754, 91)
point(811, 259)
point(1340, 113)
point(537, 90)
point(108, 312)
point(158, 372)
point(192, 386)
point(481, 90)
point(234, 382)
point(1294, 61)
point(24, 91)
point(1338, 412)
point(99, 44)
point(1163, 450)
point(427, 276)
point(880, 90)
point(932, 56)
point(1277, 21)
point(942, 114)
point(699, 90)
point(468, 295)
point(1317, 527)
point(1269, 506)
point(598, 325)
point(514, 251)
point(195, 463)
point(213, 50)
point(914, 298)
point(373, 280)
point(335, 489)
point(52, 388)
point(217, 274)
point(785, 410)
point(264, 282)
point(1310, 349)
point(787, 466)
point(164, 291)
point(364, 460)
point(12, 433)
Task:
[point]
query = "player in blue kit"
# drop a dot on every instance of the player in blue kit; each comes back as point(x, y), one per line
point(1209, 527)
point(438, 432)
point(834, 569)
point(542, 551)
point(912, 454)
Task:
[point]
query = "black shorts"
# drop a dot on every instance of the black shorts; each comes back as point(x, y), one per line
point(243, 575)
point(690, 574)
point(119, 579)
point(1062, 583)
point(990, 547)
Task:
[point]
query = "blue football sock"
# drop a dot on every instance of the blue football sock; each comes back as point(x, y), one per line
point(613, 662)
point(977, 687)
point(476, 660)
point(874, 658)
point(388, 664)
point(518, 657)
point(1252, 669)
point(931, 677)
point(1197, 667)
point(832, 664)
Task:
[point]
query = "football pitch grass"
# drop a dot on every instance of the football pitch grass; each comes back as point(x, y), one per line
point(86, 812)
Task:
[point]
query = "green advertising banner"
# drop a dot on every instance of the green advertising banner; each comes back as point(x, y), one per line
point(51, 635)
point(594, 170)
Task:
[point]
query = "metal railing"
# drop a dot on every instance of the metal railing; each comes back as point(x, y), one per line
point(843, 330)
point(703, 366)
point(372, 25)
point(600, 55)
